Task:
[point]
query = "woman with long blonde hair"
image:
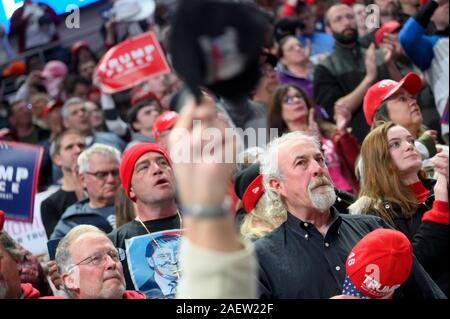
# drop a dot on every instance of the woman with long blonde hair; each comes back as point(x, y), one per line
point(395, 188)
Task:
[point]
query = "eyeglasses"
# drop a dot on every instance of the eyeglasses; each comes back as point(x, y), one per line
point(292, 99)
point(99, 259)
point(102, 175)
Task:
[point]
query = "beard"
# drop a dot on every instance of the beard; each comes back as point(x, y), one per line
point(322, 198)
point(346, 38)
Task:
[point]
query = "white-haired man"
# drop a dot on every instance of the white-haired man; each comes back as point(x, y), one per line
point(305, 256)
point(90, 266)
point(99, 176)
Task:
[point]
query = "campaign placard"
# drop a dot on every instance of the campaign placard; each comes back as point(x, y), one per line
point(130, 63)
point(19, 173)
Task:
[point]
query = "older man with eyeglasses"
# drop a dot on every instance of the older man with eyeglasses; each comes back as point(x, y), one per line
point(90, 266)
point(99, 176)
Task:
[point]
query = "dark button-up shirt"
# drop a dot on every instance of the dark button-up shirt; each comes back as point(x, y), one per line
point(297, 261)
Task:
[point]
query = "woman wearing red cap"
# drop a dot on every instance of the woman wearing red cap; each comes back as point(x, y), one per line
point(260, 218)
point(388, 100)
point(81, 53)
point(395, 188)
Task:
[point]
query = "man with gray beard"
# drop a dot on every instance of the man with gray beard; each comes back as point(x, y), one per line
point(305, 257)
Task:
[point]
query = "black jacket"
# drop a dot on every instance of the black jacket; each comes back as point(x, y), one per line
point(296, 261)
point(338, 75)
point(430, 240)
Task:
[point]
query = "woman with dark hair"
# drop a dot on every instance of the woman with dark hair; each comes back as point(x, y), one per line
point(81, 53)
point(290, 110)
point(395, 188)
point(294, 66)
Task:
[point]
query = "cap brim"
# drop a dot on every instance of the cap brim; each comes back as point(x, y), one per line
point(411, 82)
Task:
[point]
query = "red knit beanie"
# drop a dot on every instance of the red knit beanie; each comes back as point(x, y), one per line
point(131, 156)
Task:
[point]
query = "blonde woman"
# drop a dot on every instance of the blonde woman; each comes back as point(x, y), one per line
point(259, 218)
point(396, 189)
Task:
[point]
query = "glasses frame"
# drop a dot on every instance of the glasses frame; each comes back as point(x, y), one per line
point(104, 175)
point(92, 257)
point(289, 100)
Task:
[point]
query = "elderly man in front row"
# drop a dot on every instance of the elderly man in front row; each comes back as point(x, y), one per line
point(90, 266)
point(305, 257)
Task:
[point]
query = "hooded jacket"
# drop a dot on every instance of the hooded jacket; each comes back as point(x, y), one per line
point(80, 213)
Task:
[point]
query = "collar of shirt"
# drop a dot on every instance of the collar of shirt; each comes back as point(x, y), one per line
point(305, 229)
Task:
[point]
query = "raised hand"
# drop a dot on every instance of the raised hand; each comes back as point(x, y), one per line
point(440, 162)
point(433, 134)
point(371, 64)
point(313, 128)
point(202, 178)
point(342, 116)
point(441, 189)
point(388, 48)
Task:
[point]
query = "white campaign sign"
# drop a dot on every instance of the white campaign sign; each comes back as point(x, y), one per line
point(31, 236)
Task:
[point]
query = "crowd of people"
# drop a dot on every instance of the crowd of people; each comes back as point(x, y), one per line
point(345, 132)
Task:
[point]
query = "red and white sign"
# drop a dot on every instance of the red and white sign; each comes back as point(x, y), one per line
point(130, 63)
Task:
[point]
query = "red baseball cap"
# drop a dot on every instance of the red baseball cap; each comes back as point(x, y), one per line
point(388, 27)
point(164, 122)
point(51, 106)
point(380, 263)
point(139, 94)
point(248, 186)
point(253, 193)
point(131, 156)
point(77, 46)
point(381, 91)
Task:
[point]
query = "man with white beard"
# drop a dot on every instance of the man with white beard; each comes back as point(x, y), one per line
point(305, 257)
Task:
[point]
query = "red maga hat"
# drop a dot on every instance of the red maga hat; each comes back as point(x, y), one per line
point(381, 91)
point(139, 94)
point(164, 122)
point(380, 263)
point(388, 27)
